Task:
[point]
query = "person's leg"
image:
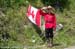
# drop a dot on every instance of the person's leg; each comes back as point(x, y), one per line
point(51, 37)
point(47, 35)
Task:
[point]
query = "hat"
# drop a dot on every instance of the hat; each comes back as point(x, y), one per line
point(49, 7)
point(44, 8)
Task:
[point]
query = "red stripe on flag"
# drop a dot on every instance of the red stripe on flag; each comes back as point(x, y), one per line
point(28, 11)
point(38, 19)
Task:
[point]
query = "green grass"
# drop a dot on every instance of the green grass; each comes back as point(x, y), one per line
point(22, 32)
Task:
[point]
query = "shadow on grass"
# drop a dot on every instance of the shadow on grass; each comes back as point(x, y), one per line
point(57, 44)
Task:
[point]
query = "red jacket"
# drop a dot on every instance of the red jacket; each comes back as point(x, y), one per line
point(50, 19)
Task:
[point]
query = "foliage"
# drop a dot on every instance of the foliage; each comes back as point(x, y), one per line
point(16, 30)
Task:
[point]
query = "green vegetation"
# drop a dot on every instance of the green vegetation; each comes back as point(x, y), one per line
point(16, 30)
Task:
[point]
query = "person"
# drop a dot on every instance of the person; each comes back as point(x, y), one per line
point(50, 23)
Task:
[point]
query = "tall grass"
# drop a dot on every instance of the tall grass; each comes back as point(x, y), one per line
point(22, 33)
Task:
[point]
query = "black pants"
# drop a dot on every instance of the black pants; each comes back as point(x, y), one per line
point(48, 33)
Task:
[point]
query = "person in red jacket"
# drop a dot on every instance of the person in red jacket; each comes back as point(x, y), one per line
point(50, 23)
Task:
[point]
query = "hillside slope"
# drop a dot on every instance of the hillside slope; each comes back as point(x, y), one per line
point(17, 31)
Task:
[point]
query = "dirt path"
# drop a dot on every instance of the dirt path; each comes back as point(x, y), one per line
point(73, 47)
point(44, 47)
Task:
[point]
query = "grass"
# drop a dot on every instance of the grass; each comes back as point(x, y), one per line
point(22, 35)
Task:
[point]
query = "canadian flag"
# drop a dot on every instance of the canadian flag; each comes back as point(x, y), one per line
point(33, 15)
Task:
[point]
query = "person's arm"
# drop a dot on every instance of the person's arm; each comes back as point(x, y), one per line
point(54, 18)
point(42, 11)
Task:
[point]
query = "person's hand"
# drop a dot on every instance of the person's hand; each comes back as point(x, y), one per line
point(54, 29)
point(54, 32)
point(44, 9)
